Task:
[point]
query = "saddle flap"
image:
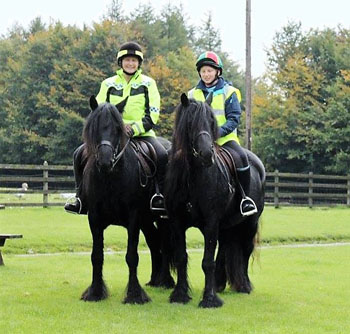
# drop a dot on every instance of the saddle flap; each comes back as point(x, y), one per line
point(147, 157)
point(227, 160)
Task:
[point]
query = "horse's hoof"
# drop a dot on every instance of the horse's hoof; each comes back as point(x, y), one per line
point(179, 297)
point(220, 288)
point(211, 302)
point(243, 288)
point(140, 298)
point(166, 282)
point(94, 295)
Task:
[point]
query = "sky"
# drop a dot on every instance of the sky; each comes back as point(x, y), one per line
point(229, 17)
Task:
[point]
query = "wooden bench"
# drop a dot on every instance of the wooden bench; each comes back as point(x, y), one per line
point(3, 238)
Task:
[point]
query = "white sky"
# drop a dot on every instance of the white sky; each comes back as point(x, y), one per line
point(268, 17)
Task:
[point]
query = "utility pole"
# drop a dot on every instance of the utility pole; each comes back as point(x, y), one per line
point(248, 80)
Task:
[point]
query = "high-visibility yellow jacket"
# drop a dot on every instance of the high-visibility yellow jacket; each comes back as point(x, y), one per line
point(225, 105)
point(143, 105)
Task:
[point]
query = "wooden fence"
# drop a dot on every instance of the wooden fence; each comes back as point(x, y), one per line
point(50, 185)
point(43, 181)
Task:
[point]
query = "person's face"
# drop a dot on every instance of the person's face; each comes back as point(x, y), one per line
point(130, 64)
point(208, 74)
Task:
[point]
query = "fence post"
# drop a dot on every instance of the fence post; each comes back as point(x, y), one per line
point(45, 185)
point(348, 192)
point(275, 194)
point(311, 181)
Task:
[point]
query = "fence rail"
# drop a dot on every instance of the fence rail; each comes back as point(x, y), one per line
point(49, 185)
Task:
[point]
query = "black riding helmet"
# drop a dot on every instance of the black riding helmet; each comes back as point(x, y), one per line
point(129, 49)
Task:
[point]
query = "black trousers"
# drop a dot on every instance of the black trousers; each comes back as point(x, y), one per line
point(238, 153)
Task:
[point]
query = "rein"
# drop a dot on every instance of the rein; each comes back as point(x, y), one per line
point(217, 158)
point(116, 156)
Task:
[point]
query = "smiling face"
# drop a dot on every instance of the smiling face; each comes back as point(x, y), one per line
point(130, 64)
point(208, 74)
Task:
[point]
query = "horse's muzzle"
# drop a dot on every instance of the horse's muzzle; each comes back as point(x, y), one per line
point(207, 159)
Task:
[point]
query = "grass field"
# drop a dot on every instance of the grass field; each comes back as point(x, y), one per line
point(296, 289)
point(52, 230)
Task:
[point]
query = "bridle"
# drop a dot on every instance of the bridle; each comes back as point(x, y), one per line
point(116, 155)
point(194, 140)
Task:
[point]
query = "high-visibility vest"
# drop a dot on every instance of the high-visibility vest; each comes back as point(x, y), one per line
point(220, 96)
point(143, 99)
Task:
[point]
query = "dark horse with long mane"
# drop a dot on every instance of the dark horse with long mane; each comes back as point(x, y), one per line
point(114, 195)
point(201, 192)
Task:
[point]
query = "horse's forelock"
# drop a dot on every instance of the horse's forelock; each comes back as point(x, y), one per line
point(189, 120)
point(107, 112)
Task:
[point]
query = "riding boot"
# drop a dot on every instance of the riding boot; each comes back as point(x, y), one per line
point(75, 204)
point(247, 205)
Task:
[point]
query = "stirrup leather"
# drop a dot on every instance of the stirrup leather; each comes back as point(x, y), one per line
point(251, 212)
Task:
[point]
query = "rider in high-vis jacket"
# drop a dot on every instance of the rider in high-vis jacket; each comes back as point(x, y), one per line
point(226, 107)
point(140, 114)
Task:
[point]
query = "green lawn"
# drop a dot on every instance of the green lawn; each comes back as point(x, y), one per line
point(297, 290)
point(52, 230)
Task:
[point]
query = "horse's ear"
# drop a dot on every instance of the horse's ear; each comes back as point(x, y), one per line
point(184, 100)
point(121, 105)
point(209, 98)
point(93, 102)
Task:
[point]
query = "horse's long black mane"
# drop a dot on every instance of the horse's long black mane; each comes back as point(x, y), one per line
point(108, 114)
point(189, 121)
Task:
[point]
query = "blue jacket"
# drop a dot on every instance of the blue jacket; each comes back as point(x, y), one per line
point(232, 107)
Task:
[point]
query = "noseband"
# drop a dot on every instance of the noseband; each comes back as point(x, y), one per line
point(194, 151)
point(116, 156)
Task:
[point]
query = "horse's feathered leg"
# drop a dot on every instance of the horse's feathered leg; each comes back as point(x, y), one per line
point(220, 268)
point(135, 294)
point(210, 299)
point(156, 239)
point(151, 234)
point(181, 292)
point(97, 290)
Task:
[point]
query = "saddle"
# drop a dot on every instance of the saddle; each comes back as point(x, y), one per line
point(147, 159)
point(226, 160)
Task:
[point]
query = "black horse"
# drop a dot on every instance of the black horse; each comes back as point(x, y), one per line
point(114, 195)
point(201, 192)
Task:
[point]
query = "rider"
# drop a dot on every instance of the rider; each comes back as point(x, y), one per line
point(226, 107)
point(140, 114)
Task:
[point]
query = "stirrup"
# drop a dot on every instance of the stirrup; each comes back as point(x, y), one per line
point(161, 211)
point(251, 212)
point(69, 202)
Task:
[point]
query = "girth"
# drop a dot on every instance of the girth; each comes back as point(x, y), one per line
point(147, 160)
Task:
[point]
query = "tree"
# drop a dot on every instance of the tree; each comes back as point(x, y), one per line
point(208, 37)
point(115, 11)
point(297, 127)
point(173, 28)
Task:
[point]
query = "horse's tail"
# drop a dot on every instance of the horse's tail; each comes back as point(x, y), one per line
point(239, 243)
point(168, 242)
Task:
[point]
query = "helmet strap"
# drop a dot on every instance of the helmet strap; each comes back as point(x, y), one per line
point(131, 74)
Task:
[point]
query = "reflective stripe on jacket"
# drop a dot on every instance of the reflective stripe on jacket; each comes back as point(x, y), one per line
point(221, 96)
point(143, 105)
